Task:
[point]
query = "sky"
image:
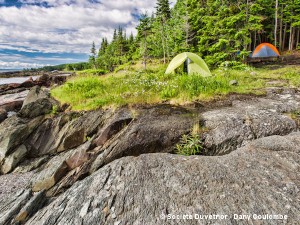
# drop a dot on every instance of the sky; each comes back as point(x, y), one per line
point(36, 33)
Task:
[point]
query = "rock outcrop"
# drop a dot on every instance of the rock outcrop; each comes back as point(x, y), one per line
point(3, 114)
point(261, 178)
point(13, 101)
point(37, 102)
point(232, 127)
point(64, 132)
point(156, 129)
point(18, 207)
point(96, 168)
point(14, 131)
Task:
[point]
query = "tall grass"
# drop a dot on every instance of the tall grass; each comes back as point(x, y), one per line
point(86, 92)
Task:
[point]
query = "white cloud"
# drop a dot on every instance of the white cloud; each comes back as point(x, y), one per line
point(67, 25)
point(66, 28)
point(19, 65)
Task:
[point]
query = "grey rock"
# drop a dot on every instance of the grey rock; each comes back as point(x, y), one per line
point(13, 101)
point(112, 125)
point(46, 139)
point(37, 102)
point(78, 162)
point(31, 207)
point(11, 184)
point(11, 161)
point(64, 132)
point(52, 172)
point(153, 130)
point(11, 113)
point(16, 208)
point(233, 83)
point(9, 207)
point(3, 114)
point(78, 130)
point(56, 168)
point(30, 164)
point(139, 190)
point(14, 131)
point(232, 127)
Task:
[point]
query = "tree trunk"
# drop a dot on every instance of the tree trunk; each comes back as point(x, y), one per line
point(284, 36)
point(145, 52)
point(254, 40)
point(298, 38)
point(281, 29)
point(291, 37)
point(276, 22)
point(163, 43)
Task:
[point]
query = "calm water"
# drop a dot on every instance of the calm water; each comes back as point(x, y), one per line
point(8, 70)
point(17, 80)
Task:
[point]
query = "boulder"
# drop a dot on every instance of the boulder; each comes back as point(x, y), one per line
point(10, 207)
point(253, 180)
point(58, 167)
point(28, 83)
point(3, 114)
point(45, 139)
point(59, 79)
point(31, 164)
point(10, 162)
point(14, 131)
point(37, 102)
point(112, 125)
point(155, 129)
point(52, 172)
point(233, 83)
point(78, 163)
point(228, 128)
point(16, 208)
point(43, 80)
point(13, 101)
point(32, 206)
point(64, 132)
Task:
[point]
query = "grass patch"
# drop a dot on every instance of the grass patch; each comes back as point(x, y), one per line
point(93, 72)
point(86, 91)
point(189, 145)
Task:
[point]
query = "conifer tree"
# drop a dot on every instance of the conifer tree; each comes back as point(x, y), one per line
point(163, 14)
point(92, 59)
point(143, 31)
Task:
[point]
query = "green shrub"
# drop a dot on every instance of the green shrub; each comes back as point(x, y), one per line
point(234, 65)
point(169, 92)
point(190, 145)
point(93, 72)
point(54, 110)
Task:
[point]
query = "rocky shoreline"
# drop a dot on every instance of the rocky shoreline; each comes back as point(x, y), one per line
point(119, 167)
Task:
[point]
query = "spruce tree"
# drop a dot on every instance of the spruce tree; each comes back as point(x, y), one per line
point(92, 59)
point(163, 9)
point(163, 14)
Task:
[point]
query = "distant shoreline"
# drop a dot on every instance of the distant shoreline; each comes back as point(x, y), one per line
point(10, 70)
point(18, 73)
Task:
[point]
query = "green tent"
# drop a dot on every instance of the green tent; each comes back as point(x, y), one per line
point(190, 63)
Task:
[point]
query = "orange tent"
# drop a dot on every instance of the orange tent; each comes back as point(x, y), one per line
point(265, 50)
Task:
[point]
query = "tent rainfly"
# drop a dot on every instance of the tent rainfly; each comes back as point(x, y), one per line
point(265, 50)
point(190, 63)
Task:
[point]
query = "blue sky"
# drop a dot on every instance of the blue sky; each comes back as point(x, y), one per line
point(35, 33)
